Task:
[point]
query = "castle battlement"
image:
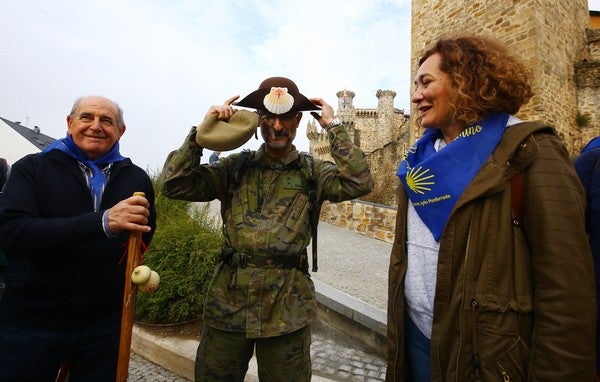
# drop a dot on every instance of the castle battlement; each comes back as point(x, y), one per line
point(371, 129)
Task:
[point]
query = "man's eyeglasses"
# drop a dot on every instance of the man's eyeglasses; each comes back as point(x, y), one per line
point(283, 118)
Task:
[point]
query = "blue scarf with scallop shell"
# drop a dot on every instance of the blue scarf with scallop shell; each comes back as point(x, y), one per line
point(435, 180)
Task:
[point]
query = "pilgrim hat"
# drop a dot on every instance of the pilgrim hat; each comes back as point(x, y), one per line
point(277, 95)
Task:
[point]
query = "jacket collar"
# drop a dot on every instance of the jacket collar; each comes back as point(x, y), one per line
point(73, 168)
point(515, 151)
point(262, 157)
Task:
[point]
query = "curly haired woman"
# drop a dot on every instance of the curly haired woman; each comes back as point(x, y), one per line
point(491, 276)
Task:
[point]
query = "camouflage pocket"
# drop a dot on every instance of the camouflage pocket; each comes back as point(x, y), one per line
point(297, 219)
point(239, 206)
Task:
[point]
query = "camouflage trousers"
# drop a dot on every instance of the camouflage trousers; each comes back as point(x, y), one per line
point(224, 356)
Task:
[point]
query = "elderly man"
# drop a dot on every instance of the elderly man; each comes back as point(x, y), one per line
point(261, 298)
point(65, 218)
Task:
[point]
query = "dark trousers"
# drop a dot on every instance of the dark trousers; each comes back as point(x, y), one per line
point(418, 350)
point(36, 355)
point(224, 356)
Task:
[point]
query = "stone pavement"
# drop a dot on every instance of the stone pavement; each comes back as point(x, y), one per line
point(142, 370)
point(349, 263)
point(339, 358)
point(333, 358)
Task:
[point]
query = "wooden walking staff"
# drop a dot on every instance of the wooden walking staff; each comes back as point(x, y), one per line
point(133, 260)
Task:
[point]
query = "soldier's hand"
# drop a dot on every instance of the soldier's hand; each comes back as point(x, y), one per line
point(327, 113)
point(225, 111)
point(130, 214)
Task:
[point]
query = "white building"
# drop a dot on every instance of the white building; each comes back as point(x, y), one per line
point(16, 140)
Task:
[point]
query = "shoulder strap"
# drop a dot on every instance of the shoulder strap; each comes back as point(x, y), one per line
point(239, 169)
point(315, 210)
point(240, 166)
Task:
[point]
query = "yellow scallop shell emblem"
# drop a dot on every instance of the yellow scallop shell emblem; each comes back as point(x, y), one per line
point(278, 101)
point(418, 180)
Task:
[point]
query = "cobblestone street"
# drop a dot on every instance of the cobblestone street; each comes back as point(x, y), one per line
point(341, 360)
point(142, 370)
point(333, 357)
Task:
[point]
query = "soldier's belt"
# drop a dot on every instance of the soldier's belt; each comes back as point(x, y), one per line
point(243, 260)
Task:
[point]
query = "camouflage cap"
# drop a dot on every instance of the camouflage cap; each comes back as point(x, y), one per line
point(219, 135)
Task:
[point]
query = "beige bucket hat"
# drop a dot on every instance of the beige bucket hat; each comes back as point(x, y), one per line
point(219, 135)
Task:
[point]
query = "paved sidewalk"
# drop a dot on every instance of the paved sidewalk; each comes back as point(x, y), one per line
point(349, 263)
point(353, 263)
point(142, 370)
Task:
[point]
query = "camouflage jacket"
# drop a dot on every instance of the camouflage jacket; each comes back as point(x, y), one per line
point(265, 213)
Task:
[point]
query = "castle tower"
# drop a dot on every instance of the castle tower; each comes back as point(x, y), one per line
point(385, 116)
point(345, 104)
point(385, 100)
point(549, 36)
point(381, 132)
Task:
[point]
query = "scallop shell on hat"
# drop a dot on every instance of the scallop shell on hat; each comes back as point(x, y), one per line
point(278, 101)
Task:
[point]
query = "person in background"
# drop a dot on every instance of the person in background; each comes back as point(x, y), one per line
point(65, 218)
point(261, 298)
point(587, 166)
point(4, 171)
point(491, 276)
point(214, 156)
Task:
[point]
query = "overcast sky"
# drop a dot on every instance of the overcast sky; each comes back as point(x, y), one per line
point(166, 61)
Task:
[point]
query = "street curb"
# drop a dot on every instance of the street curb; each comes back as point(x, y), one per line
point(367, 315)
point(353, 317)
point(174, 354)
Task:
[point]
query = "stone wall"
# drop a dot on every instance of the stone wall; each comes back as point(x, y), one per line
point(384, 164)
point(587, 80)
point(549, 37)
point(369, 219)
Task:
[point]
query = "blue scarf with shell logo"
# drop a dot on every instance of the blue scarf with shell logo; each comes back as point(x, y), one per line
point(434, 180)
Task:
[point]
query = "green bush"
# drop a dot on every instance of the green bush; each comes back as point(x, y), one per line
point(184, 252)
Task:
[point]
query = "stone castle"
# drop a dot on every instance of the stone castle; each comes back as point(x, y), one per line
point(382, 133)
point(554, 39)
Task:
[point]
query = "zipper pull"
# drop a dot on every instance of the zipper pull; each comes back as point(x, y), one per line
point(505, 375)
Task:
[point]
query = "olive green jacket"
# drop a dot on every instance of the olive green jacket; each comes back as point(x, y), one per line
point(265, 213)
point(513, 301)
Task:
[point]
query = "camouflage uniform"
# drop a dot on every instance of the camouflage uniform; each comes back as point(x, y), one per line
point(265, 215)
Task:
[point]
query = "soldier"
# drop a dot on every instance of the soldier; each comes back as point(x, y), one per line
point(261, 298)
